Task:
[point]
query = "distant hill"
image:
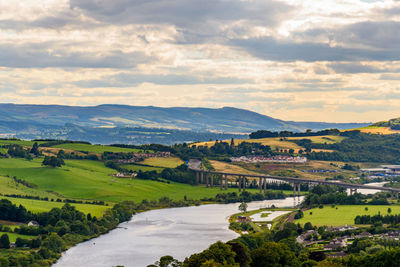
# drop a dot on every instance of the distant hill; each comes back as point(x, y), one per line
point(57, 121)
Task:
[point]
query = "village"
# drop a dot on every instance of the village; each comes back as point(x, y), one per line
point(275, 159)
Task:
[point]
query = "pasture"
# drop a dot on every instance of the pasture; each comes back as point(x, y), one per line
point(99, 149)
point(136, 168)
point(14, 236)
point(91, 180)
point(344, 214)
point(170, 162)
point(37, 206)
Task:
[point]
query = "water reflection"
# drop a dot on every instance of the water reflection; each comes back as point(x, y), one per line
point(179, 232)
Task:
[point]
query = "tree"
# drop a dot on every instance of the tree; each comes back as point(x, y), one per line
point(243, 207)
point(273, 254)
point(4, 241)
point(53, 161)
point(308, 226)
point(54, 242)
point(389, 210)
point(35, 149)
point(242, 253)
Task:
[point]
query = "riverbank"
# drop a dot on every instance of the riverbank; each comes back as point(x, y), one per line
point(152, 234)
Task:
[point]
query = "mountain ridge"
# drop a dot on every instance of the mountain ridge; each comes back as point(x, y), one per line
point(225, 119)
point(110, 123)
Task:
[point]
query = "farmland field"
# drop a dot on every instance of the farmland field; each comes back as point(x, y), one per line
point(171, 162)
point(378, 130)
point(14, 236)
point(95, 148)
point(85, 179)
point(42, 206)
point(343, 215)
point(136, 168)
point(285, 143)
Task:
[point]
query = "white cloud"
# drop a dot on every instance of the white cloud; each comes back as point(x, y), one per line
point(297, 60)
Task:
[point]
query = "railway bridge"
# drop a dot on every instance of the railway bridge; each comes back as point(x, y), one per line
point(215, 178)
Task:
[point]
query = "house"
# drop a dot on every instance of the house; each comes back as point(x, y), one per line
point(364, 234)
point(305, 237)
point(242, 219)
point(339, 254)
point(336, 243)
point(33, 223)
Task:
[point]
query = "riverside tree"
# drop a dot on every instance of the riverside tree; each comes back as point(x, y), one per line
point(243, 207)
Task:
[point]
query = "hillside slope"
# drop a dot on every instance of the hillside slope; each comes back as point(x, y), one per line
point(229, 120)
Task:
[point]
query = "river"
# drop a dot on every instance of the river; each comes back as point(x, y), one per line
point(178, 232)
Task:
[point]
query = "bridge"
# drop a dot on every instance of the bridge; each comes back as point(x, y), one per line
point(215, 178)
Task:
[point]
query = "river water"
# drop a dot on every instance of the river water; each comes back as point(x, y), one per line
point(178, 232)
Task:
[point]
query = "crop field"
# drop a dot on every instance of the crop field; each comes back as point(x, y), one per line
point(329, 139)
point(136, 168)
point(96, 148)
point(285, 143)
point(378, 130)
point(344, 214)
point(14, 236)
point(42, 206)
point(171, 162)
point(232, 168)
point(91, 180)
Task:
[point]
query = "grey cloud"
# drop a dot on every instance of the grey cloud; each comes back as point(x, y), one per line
point(354, 68)
point(181, 12)
point(390, 77)
point(37, 56)
point(268, 48)
point(126, 80)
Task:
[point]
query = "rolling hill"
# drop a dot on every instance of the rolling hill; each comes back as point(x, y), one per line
point(141, 124)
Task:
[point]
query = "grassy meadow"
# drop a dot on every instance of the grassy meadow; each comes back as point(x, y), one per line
point(136, 168)
point(91, 180)
point(344, 214)
point(171, 162)
point(14, 236)
point(42, 206)
point(99, 149)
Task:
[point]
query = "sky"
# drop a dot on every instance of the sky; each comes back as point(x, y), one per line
point(308, 60)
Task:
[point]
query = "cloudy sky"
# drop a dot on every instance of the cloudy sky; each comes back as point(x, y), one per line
point(294, 60)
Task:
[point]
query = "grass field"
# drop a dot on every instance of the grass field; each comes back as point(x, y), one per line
point(136, 168)
point(95, 148)
point(345, 214)
point(171, 162)
point(14, 236)
point(9, 186)
point(19, 142)
point(41, 206)
point(84, 179)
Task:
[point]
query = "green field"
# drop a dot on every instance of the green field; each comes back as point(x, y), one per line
point(136, 168)
point(85, 179)
point(10, 187)
point(163, 162)
point(343, 215)
point(42, 206)
point(13, 236)
point(95, 148)
point(19, 142)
